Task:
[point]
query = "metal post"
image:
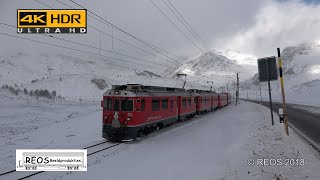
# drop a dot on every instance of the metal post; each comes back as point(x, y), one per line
point(237, 91)
point(283, 95)
point(260, 95)
point(271, 109)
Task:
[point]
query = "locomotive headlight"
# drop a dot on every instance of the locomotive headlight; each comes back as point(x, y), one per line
point(128, 119)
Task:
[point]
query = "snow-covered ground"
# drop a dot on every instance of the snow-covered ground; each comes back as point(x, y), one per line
point(214, 146)
point(45, 125)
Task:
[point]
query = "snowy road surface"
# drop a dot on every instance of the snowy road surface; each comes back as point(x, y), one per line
point(215, 146)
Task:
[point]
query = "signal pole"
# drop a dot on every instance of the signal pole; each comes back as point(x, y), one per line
point(237, 91)
point(283, 95)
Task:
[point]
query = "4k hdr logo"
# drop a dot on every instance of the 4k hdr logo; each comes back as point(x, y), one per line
point(52, 21)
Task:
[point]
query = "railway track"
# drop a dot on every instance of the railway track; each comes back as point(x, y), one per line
point(93, 149)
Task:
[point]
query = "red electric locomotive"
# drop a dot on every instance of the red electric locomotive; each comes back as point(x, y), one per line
point(129, 110)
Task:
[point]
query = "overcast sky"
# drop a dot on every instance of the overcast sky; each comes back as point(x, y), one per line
point(256, 27)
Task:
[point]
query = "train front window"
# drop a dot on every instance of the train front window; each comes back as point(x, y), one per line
point(108, 104)
point(127, 105)
point(116, 105)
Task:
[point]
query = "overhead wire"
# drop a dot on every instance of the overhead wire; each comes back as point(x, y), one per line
point(183, 21)
point(175, 25)
point(82, 44)
point(186, 24)
point(65, 47)
point(103, 31)
point(154, 47)
point(110, 24)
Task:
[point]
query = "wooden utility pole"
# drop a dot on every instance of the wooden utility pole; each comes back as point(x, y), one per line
point(285, 115)
point(234, 88)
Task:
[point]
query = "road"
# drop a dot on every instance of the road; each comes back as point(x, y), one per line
point(304, 118)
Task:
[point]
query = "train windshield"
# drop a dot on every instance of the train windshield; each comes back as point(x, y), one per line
point(116, 106)
point(108, 104)
point(127, 105)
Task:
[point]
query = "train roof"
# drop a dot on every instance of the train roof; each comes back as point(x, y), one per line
point(139, 89)
point(142, 88)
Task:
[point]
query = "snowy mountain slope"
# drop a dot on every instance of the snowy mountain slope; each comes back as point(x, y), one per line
point(218, 66)
point(301, 69)
point(68, 75)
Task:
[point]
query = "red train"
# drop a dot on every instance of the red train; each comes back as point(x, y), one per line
point(132, 110)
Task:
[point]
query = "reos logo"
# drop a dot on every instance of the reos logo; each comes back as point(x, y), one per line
point(37, 160)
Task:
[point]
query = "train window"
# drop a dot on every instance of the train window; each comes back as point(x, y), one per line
point(127, 105)
point(171, 104)
point(143, 104)
point(116, 105)
point(164, 104)
point(196, 100)
point(184, 101)
point(155, 104)
point(189, 101)
point(205, 99)
point(108, 104)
